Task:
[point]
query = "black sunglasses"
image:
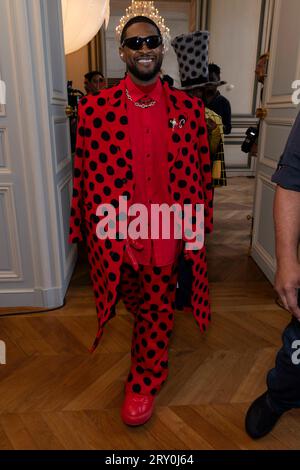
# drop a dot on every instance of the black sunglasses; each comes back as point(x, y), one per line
point(136, 43)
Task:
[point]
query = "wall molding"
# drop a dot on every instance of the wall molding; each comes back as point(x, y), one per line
point(66, 160)
point(32, 298)
point(275, 100)
point(5, 164)
point(67, 259)
point(57, 97)
point(258, 252)
point(15, 273)
point(276, 121)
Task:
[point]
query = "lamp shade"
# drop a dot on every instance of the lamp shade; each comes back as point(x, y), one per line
point(82, 20)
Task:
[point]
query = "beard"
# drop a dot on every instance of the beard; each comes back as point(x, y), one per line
point(147, 75)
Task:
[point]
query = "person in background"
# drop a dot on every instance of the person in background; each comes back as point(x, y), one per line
point(260, 74)
point(93, 82)
point(214, 100)
point(195, 78)
point(283, 381)
point(193, 70)
point(261, 68)
point(72, 109)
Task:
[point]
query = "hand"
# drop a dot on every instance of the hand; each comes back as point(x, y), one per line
point(287, 281)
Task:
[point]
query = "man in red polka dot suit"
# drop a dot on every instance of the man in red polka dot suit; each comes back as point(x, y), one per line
point(148, 142)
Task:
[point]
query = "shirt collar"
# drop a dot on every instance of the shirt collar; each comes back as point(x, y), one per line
point(137, 92)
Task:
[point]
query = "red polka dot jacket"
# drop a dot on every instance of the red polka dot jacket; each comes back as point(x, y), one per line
point(103, 171)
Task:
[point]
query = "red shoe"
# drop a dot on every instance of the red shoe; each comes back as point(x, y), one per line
point(137, 409)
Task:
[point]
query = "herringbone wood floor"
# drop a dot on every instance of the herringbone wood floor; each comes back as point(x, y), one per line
point(55, 395)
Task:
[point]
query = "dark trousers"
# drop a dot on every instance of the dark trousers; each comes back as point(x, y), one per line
point(185, 280)
point(284, 380)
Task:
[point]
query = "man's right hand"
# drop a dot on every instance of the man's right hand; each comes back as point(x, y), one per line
point(287, 283)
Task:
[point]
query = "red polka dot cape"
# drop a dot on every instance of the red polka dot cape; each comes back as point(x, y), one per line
point(103, 171)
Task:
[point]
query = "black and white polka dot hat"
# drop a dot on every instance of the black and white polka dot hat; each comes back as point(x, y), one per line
point(192, 55)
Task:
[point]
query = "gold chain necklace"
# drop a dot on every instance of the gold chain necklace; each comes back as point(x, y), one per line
point(140, 105)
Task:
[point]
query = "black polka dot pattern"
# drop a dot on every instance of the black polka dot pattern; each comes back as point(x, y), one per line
point(103, 170)
point(153, 324)
point(192, 56)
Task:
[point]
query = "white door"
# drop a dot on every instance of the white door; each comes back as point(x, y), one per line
point(283, 70)
point(36, 262)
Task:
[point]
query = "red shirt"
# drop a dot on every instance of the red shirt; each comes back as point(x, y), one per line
point(148, 129)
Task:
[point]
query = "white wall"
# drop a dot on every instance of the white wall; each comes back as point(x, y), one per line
point(77, 65)
point(235, 27)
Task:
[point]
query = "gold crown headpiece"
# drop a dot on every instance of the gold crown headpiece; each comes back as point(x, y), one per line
point(144, 8)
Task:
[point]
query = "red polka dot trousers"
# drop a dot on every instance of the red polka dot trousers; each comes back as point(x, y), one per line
point(149, 294)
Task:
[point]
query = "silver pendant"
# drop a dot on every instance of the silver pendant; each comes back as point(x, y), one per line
point(173, 123)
